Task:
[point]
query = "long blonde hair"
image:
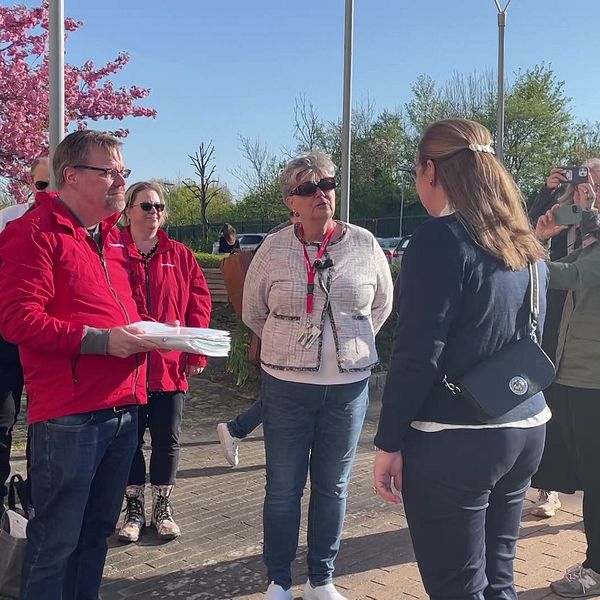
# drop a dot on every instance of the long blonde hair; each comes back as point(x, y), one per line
point(480, 190)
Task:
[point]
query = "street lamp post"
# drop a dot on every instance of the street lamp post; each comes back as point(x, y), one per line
point(403, 171)
point(500, 126)
point(347, 114)
point(56, 74)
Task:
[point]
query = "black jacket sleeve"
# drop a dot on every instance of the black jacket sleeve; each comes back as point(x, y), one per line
point(428, 298)
point(546, 198)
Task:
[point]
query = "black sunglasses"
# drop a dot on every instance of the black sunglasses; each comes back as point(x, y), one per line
point(310, 187)
point(41, 185)
point(148, 206)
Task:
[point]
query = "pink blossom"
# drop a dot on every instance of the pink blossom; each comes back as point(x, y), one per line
point(89, 93)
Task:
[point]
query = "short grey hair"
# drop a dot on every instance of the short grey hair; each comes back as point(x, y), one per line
point(38, 161)
point(315, 163)
point(74, 150)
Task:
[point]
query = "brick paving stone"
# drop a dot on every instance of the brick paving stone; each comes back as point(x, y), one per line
point(218, 556)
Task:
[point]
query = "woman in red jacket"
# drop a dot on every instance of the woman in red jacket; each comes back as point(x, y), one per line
point(168, 278)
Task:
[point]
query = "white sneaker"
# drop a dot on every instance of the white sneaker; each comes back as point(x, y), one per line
point(274, 591)
point(322, 592)
point(229, 444)
point(547, 505)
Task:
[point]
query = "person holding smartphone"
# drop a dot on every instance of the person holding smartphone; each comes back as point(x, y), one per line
point(567, 196)
point(570, 459)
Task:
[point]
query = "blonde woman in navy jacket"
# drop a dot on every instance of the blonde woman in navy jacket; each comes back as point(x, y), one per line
point(463, 295)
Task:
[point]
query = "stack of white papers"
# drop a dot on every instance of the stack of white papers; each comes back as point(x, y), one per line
point(195, 340)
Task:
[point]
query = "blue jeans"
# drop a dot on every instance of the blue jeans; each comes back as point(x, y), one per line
point(316, 428)
point(245, 423)
point(79, 469)
point(463, 493)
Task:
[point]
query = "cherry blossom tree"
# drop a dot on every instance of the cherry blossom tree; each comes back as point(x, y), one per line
point(24, 92)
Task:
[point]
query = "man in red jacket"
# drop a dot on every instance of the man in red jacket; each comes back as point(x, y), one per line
point(67, 303)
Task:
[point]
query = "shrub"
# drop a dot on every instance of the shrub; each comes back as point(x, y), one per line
point(208, 261)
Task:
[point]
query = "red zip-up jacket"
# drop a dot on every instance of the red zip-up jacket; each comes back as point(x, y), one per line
point(54, 282)
point(173, 287)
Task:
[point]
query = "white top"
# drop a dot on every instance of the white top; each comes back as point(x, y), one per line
point(539, 419)
point(11, 213)
point(329, 373)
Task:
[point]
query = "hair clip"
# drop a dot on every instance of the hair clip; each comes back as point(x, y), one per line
point(486, 148)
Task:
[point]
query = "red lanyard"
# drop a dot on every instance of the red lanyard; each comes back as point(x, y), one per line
point(311, 269)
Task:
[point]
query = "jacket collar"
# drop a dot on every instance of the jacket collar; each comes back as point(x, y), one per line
point(64, 215)
point(164, 242)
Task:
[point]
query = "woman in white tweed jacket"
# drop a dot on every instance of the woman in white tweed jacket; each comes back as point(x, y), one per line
point(316, 294)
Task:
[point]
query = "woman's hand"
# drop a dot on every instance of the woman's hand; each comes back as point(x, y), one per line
point(555, 178)
point(387, 475)
point(546, 227)
point(584, 195)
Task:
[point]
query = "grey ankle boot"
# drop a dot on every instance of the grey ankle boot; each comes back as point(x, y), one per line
point(134, 519)
point(162, 513)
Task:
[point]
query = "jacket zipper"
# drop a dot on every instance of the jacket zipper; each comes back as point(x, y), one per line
point(148, 308)
point(127, 318)
point(73, 367)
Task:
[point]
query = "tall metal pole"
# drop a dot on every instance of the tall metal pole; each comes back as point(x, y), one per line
point(56, 73)
point(347, 114)
point(401, 202)
point(500, 125)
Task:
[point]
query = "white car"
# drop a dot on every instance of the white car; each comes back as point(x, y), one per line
point(394, 248)
point(248, 241)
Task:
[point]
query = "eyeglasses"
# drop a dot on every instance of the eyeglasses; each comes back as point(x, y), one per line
point(41, 185)
point(309, 188)
point(112, 173)
point(148, 206)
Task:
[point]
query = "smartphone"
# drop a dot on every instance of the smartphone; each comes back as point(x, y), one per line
point(575, 175)
point(570, 214)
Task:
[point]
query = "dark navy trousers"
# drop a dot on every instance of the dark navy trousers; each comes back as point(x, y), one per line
point(463, 492)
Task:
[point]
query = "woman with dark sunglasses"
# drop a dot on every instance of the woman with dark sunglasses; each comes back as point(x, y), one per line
point(169, 284)
point(39, 179)
point(316, 294)
point(11, 382)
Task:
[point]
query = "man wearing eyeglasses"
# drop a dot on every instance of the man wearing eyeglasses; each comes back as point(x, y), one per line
point(67, 303)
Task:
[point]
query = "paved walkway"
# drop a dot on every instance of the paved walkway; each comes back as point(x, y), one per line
point(219, 509)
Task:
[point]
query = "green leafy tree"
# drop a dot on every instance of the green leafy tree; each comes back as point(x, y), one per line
point(538, 127)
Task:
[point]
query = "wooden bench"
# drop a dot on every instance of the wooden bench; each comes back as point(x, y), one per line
point(216, 285)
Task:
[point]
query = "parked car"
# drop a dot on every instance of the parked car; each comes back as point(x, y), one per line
point(394, 248)
point(248, 241)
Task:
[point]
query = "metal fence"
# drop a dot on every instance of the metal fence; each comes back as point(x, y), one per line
point(191, 235)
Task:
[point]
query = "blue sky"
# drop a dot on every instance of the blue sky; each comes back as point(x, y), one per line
point(221, 68)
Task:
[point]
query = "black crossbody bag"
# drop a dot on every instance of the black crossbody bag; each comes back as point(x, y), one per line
point(515, 373)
